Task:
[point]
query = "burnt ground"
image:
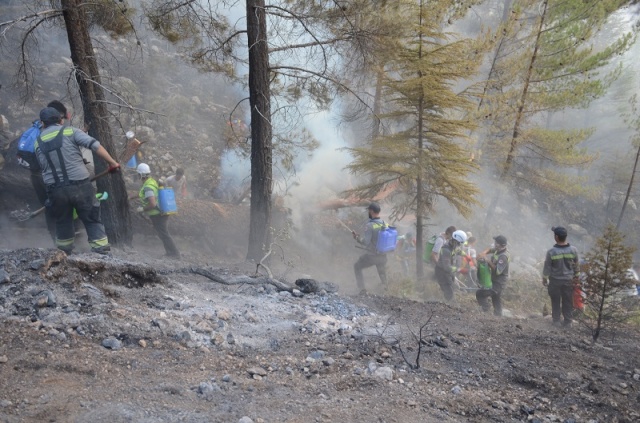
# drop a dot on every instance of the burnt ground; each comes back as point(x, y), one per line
point(88, 339)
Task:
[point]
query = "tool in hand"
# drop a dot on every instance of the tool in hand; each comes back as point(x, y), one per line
point(131, 148)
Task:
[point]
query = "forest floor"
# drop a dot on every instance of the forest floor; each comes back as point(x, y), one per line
point(91, 338)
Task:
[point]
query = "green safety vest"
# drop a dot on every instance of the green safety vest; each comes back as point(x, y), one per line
point(150, 183)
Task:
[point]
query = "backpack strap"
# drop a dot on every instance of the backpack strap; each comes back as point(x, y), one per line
point(56, 145)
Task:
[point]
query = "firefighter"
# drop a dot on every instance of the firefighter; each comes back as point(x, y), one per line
point(561, 272)
point(445, 267)
point(498, 262)
point(66, 179)
point(372, 257)
point(149, 196)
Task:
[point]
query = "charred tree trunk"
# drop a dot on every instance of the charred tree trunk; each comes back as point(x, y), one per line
point(115, 212)
point(629, 187)
point(261, 131)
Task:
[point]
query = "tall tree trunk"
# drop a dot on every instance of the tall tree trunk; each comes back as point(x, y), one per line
point(626, 197)
point(377, 100)
point(420, 206)
point(115, 211)
point(519, 117)
point(261, 131)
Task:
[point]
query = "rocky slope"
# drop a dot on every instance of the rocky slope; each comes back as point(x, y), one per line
point(88, 338)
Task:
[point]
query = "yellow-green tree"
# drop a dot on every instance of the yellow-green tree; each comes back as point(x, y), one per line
point(546, 63)
point(426, 116)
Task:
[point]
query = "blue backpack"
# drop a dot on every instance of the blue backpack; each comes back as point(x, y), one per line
point(26, 154)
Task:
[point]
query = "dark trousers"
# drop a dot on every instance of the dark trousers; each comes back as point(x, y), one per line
point(160, 224)
point(82, 198)
point(446, 282)
point(495, 293)
point(368, 260)
point(561, 294)
point(41, 192)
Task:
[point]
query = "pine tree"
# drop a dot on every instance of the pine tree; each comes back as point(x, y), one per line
point(422, 155)
point(606, 278)
point(546, 64)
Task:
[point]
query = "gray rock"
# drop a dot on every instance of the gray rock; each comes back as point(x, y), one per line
point(328, 361)
point(4, 276)
point(183, 337)
point(245, 419)
point(230, 339)
point(226, 378)
point(112, 343)
point(257, 371)
point(316, 355)
point(3, 359)
point(5, 403)
point(296, 293)
point(208, 389)
point(385, 373)
point(36, 264)
point(456, 390)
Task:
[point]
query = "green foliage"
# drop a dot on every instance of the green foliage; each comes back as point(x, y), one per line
point(113, 17)
point(546, 63)
point(421, 155)
point(606, 278)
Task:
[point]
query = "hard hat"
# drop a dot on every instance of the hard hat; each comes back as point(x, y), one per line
point(460, 236)
point(143, 169)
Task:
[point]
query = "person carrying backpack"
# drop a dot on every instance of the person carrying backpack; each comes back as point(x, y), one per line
point(27, 158)
point(372, 257)
point(497, 258)
point(150, 207)
point(66, 179)
point(445, 267)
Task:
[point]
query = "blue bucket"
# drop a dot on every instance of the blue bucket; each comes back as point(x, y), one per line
point(132, 163)
point(167, 201)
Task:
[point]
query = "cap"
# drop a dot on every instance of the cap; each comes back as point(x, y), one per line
point(49, 116)
point(559, 230)
point(500, 240)
point(374, 207)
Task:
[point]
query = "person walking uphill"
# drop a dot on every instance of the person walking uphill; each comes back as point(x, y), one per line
point(561, 271)
point(66, 179)
point(149, 196)
point(498, 262)
point(369, 240)
point(445, 267)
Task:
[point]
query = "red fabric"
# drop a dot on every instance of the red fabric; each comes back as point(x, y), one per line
point(578, 303)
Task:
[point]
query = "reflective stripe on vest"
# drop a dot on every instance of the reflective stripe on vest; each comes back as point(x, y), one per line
point(150, 183)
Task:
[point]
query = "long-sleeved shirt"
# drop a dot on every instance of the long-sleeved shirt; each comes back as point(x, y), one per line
point(72, 140)
point(561, 263)
point(370, 236)
point(500, 269)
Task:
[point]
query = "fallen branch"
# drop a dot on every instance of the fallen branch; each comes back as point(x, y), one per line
point(236, 280)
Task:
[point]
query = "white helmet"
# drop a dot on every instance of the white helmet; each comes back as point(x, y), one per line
point(143, 169)
point(460, 236)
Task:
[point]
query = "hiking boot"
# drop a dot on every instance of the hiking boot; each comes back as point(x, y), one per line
point(104, 250)
point(557, 323)
point(66, 251)
point(566, 324)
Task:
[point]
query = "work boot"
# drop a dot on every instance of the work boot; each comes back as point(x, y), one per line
point(67, 251)
point(566, 324)
point(104, 250)
point(557, 323)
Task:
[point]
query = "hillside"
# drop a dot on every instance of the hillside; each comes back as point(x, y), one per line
point(89, 339)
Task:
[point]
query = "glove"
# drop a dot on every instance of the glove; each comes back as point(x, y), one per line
point(113, 168)
point(140, 209)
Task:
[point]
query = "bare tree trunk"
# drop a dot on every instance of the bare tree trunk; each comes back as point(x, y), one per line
point(626, 198)
point(115, 211)
point(377, 99)
point(261, 130)
point(420, 206)
point(519, 116)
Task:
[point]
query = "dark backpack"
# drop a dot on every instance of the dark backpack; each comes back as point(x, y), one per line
point(26, 155)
